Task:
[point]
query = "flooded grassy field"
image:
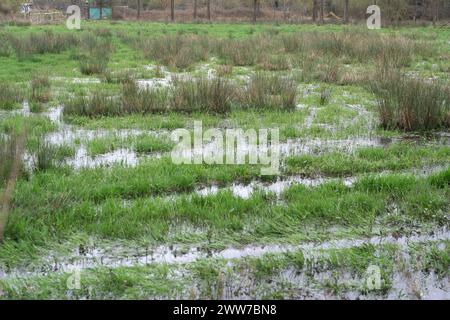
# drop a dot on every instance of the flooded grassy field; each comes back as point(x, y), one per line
point(359, 208)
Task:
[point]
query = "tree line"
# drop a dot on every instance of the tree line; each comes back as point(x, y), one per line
point(316, 10)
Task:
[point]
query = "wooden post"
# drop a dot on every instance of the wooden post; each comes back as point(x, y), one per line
point(255, 4)
point(172, 10)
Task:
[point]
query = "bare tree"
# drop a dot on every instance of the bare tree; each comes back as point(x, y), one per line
point(314, 11)
point(346, 18)
point(138, 9)
point(255, 7)
point(322, 5)
point(195, 9)
point(435, 11)
point(208, 3)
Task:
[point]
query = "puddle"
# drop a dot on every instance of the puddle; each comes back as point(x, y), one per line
point(68, 136)
point(55, 115)
point(24, 111)
point(77, 80)
point(125, 157)
point(152, 83)
point(318, 146)
point(245, 191)
point(116, 255)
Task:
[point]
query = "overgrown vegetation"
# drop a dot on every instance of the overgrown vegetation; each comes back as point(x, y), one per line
point(412, 104)
point(126, 86)
point(217, 95)
point(10, 96)
point(7, 155)
point(40, 88)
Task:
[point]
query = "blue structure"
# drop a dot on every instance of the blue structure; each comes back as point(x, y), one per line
point(94, 13)
point(99, 9)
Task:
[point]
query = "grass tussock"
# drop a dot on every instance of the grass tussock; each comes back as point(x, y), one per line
point(148, 100)
point(269, 91)
point(40, 88)
point(411, 104)
point(96, 53)
point(93, 105)
point(42, 43)
point(179, 51)
point(275, 52)
point(7, 155)
point(10, 96)
point(48, 156)
point(214, 96)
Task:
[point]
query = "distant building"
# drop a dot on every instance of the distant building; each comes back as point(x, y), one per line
point(26, 8)
point(99, 9)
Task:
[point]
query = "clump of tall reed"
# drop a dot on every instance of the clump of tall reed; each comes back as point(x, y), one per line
point(42, 43)
point(40, 88)
point(411, 104)
point(10, 96)
point(269, 91)
point(96, 53)
point(7, 155)
point(202, 94)
point(5, 47)
point(47, 156)
point(238, 52)
point(179, 51)
point(216, 95)
point(147, 100)
point(93, 105)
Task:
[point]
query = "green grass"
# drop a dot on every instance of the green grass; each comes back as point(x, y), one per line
point(96, 206)
point(265, 72)
point(142, 144)
point(217, 279)
point(10, 96)
point(399, 156)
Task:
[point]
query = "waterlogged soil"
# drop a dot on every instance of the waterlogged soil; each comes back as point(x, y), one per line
point(76, 137)
point(277, 188)
point(312, 281)
point(306, 283)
